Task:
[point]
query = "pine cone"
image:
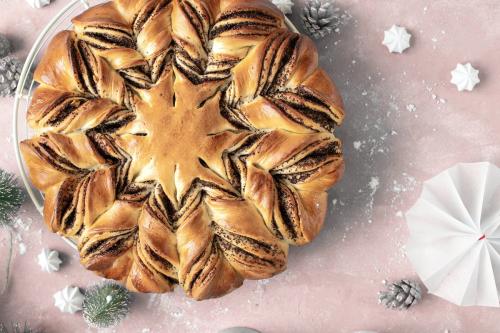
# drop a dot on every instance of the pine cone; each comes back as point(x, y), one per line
point(15, 328)
point(10, 72)
point(320, 17)
point(284, 5)
point(401, 295)
point(4, 46)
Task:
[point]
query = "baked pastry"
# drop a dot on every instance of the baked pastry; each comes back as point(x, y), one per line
point(183, 142)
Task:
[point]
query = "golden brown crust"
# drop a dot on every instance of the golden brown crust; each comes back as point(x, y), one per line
point(184, 142)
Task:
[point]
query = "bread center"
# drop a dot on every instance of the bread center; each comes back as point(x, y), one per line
point(183, 137)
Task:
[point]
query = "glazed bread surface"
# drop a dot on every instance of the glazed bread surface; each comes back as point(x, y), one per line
point(183, 142)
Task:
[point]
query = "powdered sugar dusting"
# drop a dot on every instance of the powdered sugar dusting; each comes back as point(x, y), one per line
point(22, 248)
point(374, 184)
point(411, 108)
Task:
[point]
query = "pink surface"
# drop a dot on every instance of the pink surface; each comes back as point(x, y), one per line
point(332, 284)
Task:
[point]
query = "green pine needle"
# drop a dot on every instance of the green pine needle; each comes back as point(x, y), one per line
point(105, 304)
point(16, 328)
point(11, 198)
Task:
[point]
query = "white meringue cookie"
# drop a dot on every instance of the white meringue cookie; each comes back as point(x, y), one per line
point(284, 5)
point(69, 300)
point(38, 3)
point(396, 39)
point(465, 77)
point(49, 260)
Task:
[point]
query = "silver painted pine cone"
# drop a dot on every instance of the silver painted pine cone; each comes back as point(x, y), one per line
point(401, 295)
point(10, 71)
point(320, 17)
point(4, 46)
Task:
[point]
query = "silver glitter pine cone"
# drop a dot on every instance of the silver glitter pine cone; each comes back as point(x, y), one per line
point(320, 17)
point(401, 295)
point(10, 72)
point(4, 46)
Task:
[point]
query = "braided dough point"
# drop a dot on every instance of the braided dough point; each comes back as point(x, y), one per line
point(184, 142)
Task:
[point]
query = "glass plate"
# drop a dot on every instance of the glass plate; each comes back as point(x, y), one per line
point(26, 86)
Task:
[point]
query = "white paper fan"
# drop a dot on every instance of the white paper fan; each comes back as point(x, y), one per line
point(455, 234)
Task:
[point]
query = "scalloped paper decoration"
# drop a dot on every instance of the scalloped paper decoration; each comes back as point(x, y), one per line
point(455, 235)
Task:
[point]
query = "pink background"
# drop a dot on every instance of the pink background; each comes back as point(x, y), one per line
point(332, 284)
